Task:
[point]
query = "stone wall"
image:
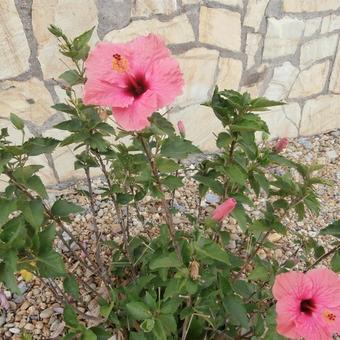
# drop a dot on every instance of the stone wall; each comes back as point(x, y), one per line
point(283, 49)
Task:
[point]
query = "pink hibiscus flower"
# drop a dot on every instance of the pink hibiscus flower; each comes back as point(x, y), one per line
point(308, 305)
point(135, 79)
point(224, 209)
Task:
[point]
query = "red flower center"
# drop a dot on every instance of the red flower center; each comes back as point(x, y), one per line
point(137, 85)
point(307, 306)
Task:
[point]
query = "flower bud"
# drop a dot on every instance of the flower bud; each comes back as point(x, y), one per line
point(224, 209)
point(281, 144)
point(181, 128)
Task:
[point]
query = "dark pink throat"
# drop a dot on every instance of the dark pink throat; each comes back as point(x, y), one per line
point(137, 85)
point(307, 306)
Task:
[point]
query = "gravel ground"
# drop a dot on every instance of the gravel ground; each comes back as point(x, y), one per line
point(37, 312)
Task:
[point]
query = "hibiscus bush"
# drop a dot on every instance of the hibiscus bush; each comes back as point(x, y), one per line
point(177, 283)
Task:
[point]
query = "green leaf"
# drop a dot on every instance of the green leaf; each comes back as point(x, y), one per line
point(240, 216)
point(123, 198)
point(80, 41)
point(210, 249)
point(70, 317)
point(50, 264)
point(159, 331)
point(332, 229)
point(237, 312)
point(72, 125)
point(335, 262)
point(88, 335)
point(106, 310)
point(72, 77)
point(17, 121)
point(223, 140)
point(65, 108)
point(262, 103)
point(23, 173)
point(6, 208)
point(236, 174)
point(71, 286)
point(259, 273)
point(63, 208)
point(161, 125)
point(138, 310)
point(7, 269)
point(171, 306)
point(38, 145)
point(211, 183)
point(46, 238)
point(166, 165)
point(172, 182)
point(34, 183)
point(165, 261)
point(33, 212)
point(178, 148)
point(169, 323)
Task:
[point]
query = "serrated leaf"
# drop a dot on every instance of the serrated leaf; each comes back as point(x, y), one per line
point(33, 212)
point(34, 183)
point(332, 229)
point(172, 182)
point(72, 77)
point(210, 249)
point(138, 310)
point(166, 165)
point(178, 148)
point(50, 264)
point(335, 262)
point(237, 312)
point(63, 208)
point(165, 261)
point(71, 286)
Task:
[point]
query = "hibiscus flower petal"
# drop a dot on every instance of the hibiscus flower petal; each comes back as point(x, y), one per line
point(99, 92)
point(135, 117)
point(166, 80)
point(326, 287)
point(287, 328)
point(294, 284)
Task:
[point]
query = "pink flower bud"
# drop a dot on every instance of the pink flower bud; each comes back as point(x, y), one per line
point(224, 209)
point(181, 128)
point(281, 144)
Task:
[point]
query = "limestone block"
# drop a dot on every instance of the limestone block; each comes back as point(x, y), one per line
point(312, 26)
point(298, 6)
point(283, 121)
point(70, 15)
point(199, 67)
point(330, 23)
point(316, 49)
point(282, 81)
point(283, 36)
point(143, 8)
point(252, 46)
point(175, 31)
point(334, 84)
point(14, 50)
point(310, 81)
point(254, 81)
point(230, 73)
point(255, 13)
point(191, 2)
point(220, 27)
point(237, 3)
point(320, 114)
point(29, 99)
point(200, 123)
